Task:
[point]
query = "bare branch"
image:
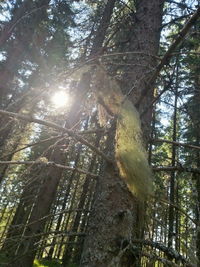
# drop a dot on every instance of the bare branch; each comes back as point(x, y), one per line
point(31, 145)
point(155, 257)
point(175, 143)
point(71, 133)
point(176, 168)
point(168, 251)
point(49, 164)
point(177, 208)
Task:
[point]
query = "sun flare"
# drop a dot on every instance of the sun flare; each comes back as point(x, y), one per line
point(60, 99)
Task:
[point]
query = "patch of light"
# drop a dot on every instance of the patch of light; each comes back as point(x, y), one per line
point(60, 99)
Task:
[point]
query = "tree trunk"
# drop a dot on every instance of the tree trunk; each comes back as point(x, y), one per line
point(144, 44)
point(111, 222)
point(70, 250)
point(196, 123)
point(115, 217)
point(25, 254)
point(173, 174)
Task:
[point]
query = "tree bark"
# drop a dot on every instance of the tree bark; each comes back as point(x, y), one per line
point(145, 44)
point(114, 219)
point(110, 228)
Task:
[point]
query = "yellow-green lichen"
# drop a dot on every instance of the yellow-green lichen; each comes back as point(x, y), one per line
point(130, 153)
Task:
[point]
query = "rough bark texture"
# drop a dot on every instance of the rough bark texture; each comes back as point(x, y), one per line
point(145, 44)
point(115, 215)
point(110, 227)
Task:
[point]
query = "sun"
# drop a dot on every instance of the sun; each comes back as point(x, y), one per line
point(60, 99)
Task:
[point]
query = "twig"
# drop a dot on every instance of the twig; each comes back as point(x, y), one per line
point(71, 133)
point(31, 145)
point(176, 168)
point(156, 98)
point(177, 208)
point(168, 251)
point(155, 257)
point(175, 143)
point(47, 164)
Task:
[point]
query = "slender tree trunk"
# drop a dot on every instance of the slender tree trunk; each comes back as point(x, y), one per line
point(198, 218)
point(41, 208)
point(71, 178)
point(197, 137)
point(20, 218)
point(99, 36)
point(173, 175)
point(77, 221)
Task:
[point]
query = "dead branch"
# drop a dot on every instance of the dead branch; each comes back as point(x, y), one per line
point(71, 133)
point(176, 168)
point(168, 251)
point(49, 164)
point(175, 143)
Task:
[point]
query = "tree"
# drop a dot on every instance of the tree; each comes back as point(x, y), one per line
point(91, 180)
point(107, 239)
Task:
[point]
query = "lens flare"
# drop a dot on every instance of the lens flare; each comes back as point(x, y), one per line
point(60, 99)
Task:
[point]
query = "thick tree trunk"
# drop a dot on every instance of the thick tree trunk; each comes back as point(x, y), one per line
point(115, 217)
point(144, 44)
point(111, 224)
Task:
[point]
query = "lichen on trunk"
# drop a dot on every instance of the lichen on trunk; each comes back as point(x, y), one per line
point(130, 154)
